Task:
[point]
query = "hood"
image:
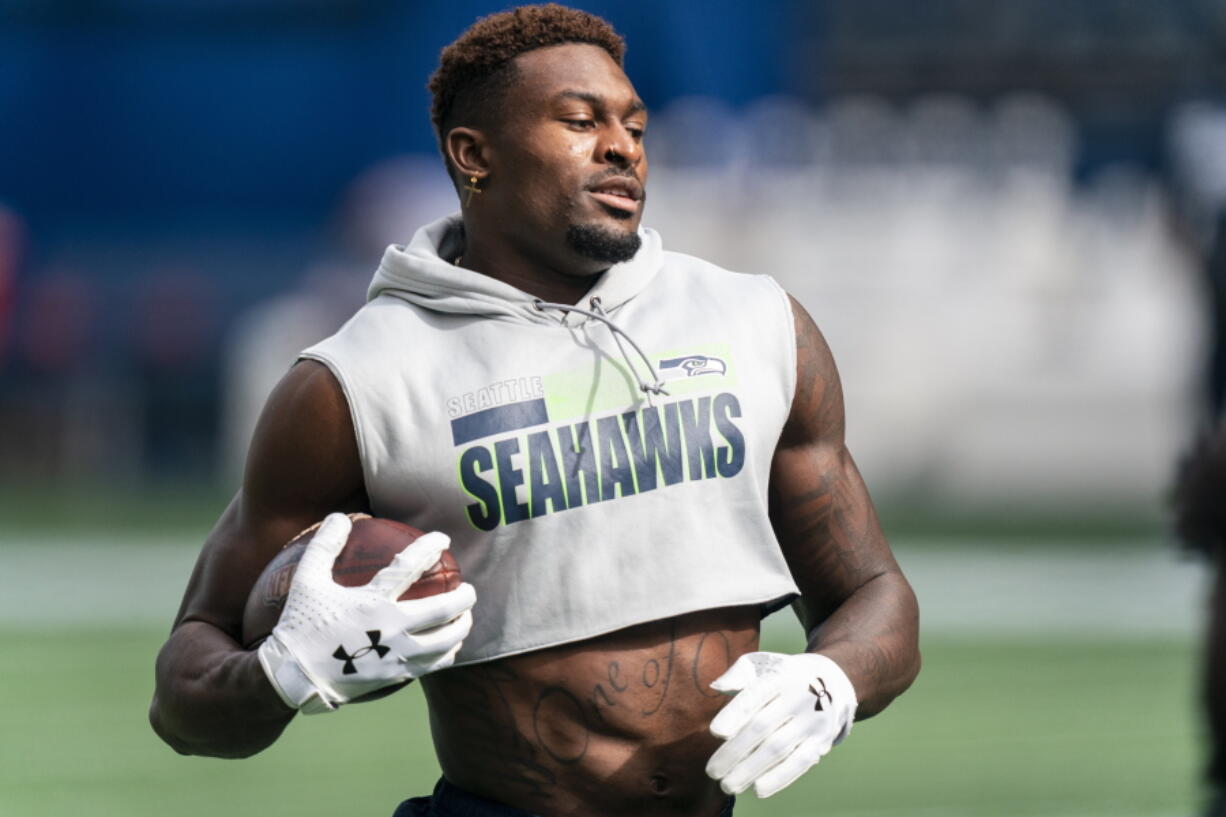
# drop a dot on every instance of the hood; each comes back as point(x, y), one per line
point(422, 273)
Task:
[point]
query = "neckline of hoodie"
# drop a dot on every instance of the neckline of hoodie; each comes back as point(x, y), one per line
point(420, 272)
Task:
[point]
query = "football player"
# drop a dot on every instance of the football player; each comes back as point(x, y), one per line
point(1200, 517)
point(636, 456)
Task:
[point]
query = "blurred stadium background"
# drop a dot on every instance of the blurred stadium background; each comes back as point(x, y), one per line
point(1004, 217)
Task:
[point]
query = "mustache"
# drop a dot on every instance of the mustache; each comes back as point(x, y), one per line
point(616, 173)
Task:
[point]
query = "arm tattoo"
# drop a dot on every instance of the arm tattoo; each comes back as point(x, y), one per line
point(852, 593)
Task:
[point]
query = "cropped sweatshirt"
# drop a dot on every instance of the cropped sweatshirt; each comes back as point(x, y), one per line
point(596, 465)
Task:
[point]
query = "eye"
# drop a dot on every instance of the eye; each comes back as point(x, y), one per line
point(580, 124)
point(635, 131)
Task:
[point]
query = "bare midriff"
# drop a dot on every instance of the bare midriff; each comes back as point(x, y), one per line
point(615, 725)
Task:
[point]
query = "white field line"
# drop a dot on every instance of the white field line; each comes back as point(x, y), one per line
point(1136, 590)
point(102, 583)
point(976, 810)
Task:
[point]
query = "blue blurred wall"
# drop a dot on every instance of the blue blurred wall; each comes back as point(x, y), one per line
point(161, 108)
point(168, 165)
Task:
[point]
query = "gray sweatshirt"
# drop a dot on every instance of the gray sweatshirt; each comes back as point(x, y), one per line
point(596, 466)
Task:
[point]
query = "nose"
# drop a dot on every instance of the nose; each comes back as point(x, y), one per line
point(621, 147)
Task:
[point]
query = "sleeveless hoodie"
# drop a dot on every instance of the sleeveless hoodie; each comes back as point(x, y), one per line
point(594, 471)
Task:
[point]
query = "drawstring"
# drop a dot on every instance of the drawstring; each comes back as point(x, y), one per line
point(656, 387)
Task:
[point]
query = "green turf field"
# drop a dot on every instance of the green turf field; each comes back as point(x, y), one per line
point(1086, 728)
point(1058, 681)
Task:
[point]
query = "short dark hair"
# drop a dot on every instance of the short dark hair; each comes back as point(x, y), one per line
point(1199, 498)
point(475, 69)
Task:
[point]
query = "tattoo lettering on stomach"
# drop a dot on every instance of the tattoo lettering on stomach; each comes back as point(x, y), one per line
point(643, 686)
point(629, 709)
point(473, 722)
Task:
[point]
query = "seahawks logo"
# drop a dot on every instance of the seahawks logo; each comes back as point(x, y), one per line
point(691, 366)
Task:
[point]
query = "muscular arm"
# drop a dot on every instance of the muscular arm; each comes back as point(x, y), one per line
point(212, 697)
point(855, 605)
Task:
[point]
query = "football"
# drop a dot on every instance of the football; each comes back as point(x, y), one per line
point(371, 546)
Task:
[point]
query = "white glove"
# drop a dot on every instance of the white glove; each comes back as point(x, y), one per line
point(333, 644)
point(789, 712)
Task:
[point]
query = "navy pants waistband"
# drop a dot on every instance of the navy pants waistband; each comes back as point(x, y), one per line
point(449, 800)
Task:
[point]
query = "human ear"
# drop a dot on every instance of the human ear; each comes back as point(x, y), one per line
point(468, 151)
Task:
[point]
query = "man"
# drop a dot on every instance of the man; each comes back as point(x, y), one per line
point(637, 455)
point(1200, 519)
point(1197, 138)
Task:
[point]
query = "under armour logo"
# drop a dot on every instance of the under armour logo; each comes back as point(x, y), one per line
point(375, 647)
point(819, 694)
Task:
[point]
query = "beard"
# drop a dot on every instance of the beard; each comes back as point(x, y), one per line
point(602, 244)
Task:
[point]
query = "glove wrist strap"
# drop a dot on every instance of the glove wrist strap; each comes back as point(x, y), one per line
point(292, 684)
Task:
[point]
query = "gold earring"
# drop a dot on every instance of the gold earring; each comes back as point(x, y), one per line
point(471, 187)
